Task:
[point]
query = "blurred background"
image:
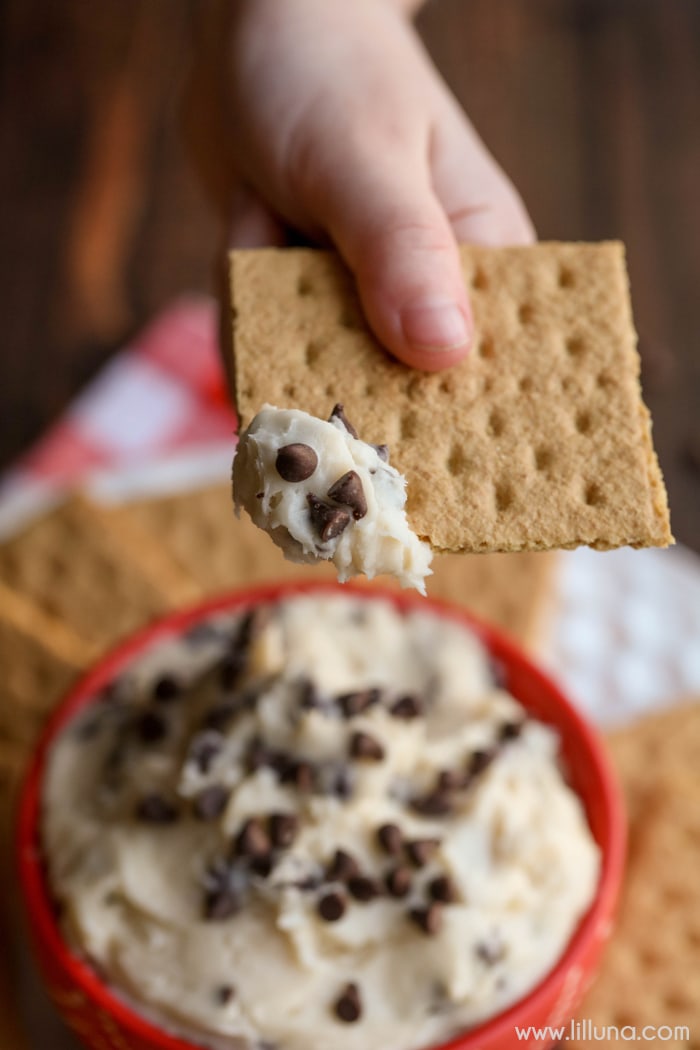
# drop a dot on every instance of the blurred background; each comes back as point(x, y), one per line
point(116, 168)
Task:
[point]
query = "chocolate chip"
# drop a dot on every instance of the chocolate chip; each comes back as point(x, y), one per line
point(222, 903)
point(231, 668)
point(490, 951)
point(436, 804)
point(406, 707)
point(166, 688)
point(452, 780)
point(204, 749)
point(352, 704)
point(342, 785)
point(429, 919)
point(303, 776)
point(224, 994)
point(479, 761)
point(309, 696)
point(382, 451)
point(365, 747)
point(510, 731)
point(253, 840)
point(258, 755)
point(156, 809)
point(398, 881)
point(348, 490)
point(339, 413)
point(221, 716)
point(342, 867)
point(331, 906)
point(296, 462)
point(421, 850)
point(152, 727)
point(211, 802)
point(348, 1005)
point(390, 838)
point(261, 866)
point(442, 888)
point(328, 520)
point(283, 829)
point(363, 888)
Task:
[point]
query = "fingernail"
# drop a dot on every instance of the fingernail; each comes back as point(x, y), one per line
point(435, 325)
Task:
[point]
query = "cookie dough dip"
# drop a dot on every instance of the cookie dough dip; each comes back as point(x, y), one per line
point(321, 492)
point(319, 824)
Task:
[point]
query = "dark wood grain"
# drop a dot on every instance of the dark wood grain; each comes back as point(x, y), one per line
point(116, 168)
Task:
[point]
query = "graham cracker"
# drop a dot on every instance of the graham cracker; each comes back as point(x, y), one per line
point(651, 970)
point(101, 578)
point(39, 657)
point(539, 439)
point(201, 533)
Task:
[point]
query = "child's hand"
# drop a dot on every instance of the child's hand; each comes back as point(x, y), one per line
point(346, 132)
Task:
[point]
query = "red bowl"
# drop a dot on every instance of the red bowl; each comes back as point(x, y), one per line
point(104, 1021)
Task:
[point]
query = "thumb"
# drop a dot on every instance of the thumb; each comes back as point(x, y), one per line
point(395, 236)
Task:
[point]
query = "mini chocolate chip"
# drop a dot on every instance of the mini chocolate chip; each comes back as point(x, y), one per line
point(382, 451)
point(329, 521)
point(490, 952)
point(221, 716)
point(406, 707)
point(510, 731)
point(342, 783)
point(303, 776)
point(331, 906)
point(342, 867)
point(231, 668)
point(480, 760)
point(348, 490)
point(390, 838)
point(253, 840)
point(452, 780)
point(155, 809)
point(211, 802)
point(442, 888)
point(421, 850)
point(352, 704)
point(222, 903)
point(339, 413)
point(363, 888)
point(365, 747)
point(261, 866)
point(166, 689)
point(283, 829)
point(429, 919)
point(398, 881)
point(152, 727)
point(224, 994)
point(296, 462)
point(204, 749)
point(348, 1005)
point(436, 804)
point(309, 697)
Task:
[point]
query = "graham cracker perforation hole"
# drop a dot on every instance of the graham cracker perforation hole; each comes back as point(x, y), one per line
point(313, 352)
point(330, 392)
point(487, 386)
point(247, 392)
point(566, 277)
point(457, 460)
point(604, 381)
point(525, 384)
point(544, 457)
point(414, 387)
point(677, 999)
point(526, 312)
point(369, 390)
point(487, 348)
point(289, 390)
point(575, 346)
point(480, 281)
point(409, 425)
point(567, 384)
point(351, 319)
point(447, 385)
point(693, 936)
point(583, 421)
point(304, 286)
point(496, 424)
point(593, 495)
point(504, 496)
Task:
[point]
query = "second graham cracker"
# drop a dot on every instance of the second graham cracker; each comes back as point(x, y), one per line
point(539, 439)
point(199, 531)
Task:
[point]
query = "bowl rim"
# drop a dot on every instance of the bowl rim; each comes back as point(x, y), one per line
point(31, 868)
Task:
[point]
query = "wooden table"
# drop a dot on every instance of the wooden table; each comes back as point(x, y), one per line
point(114, 190)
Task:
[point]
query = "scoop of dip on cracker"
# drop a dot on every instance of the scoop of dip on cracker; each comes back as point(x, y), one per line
point(323, 493)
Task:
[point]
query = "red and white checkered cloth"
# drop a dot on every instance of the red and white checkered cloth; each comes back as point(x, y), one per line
point(164, 393)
